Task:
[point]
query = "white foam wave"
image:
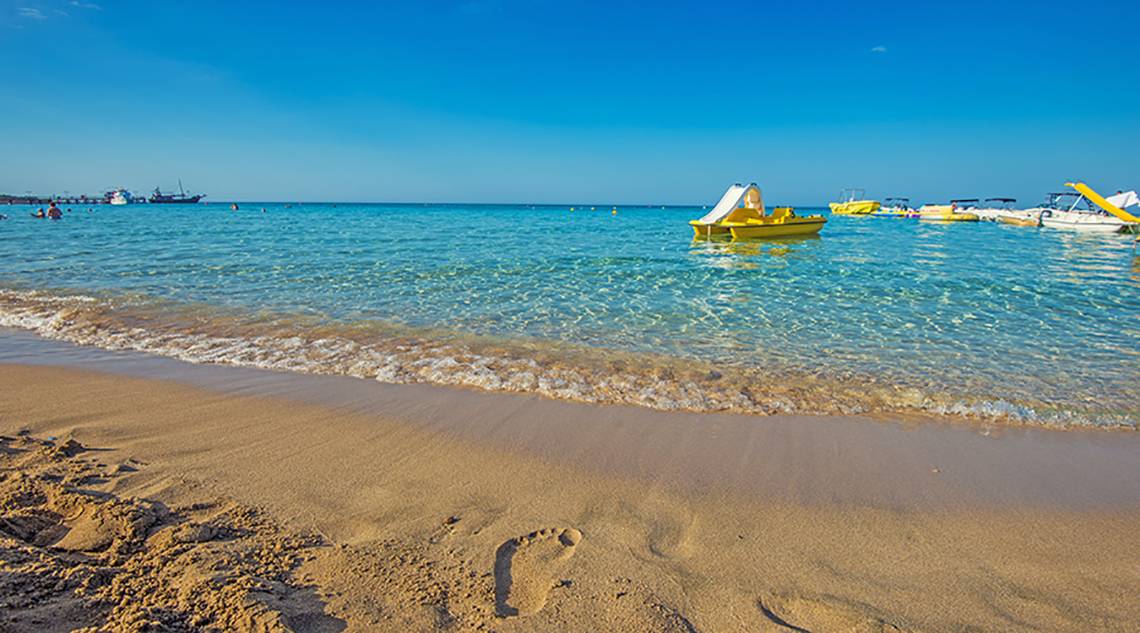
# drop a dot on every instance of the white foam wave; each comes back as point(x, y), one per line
point(88, 320)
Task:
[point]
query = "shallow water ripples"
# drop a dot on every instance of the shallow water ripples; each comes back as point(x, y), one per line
point(987, 311)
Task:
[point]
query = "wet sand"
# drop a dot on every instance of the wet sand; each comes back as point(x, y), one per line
point(242, 499)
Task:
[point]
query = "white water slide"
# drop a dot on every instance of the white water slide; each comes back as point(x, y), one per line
point(736, 197)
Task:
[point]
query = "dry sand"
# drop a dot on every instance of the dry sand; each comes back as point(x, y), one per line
point(131, 504)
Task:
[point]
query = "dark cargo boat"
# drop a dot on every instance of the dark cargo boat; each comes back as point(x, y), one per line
point(175, 198)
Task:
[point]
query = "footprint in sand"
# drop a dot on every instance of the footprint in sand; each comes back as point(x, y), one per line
point(525, 568)
point(799, 614)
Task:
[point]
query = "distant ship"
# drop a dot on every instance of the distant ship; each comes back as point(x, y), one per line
point(175, 198)
point(118, 197)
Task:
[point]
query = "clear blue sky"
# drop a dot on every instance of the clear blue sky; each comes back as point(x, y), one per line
point(545, 101)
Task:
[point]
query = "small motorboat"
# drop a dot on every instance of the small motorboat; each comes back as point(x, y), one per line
point(175, 198)
point(1086, 210)
point(966, 205)
point(854, 202)
point(991, 208)
point(895, 208)
point(1004, 211)
point(741, 215)
point(119, 197)
point(944, 213)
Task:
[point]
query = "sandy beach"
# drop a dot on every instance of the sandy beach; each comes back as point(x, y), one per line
point(569, 317)
point(245, 500)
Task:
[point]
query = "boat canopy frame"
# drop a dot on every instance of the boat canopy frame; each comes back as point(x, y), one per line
point(1060, 200)
point(1001, 203)
point(852, 194)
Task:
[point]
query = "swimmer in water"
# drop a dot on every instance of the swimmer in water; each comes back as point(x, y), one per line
point(39, 213)
point(53, 212)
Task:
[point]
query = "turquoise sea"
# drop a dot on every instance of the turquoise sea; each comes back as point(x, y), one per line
point(982, 320)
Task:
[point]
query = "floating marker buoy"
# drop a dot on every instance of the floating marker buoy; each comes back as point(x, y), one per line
point(593, 208)
point(614, 212)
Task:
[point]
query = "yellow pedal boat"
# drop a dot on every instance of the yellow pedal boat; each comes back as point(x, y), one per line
point(852, 202)
point(741, 215)
point(782, 222)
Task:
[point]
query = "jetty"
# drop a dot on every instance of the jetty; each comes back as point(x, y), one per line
point(65, 199)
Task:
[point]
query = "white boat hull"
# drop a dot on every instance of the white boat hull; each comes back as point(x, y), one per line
point(120, 197)
point(1083, 221)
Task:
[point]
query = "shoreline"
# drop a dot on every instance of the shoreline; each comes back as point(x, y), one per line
point(880, 461)
point(562, 371)
point(415, 524)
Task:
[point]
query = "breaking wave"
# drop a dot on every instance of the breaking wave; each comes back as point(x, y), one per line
point(397, 354)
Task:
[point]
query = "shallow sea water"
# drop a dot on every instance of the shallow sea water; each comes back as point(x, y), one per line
point(1035, 325)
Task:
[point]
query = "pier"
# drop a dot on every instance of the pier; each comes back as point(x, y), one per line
point(66, 199)
point(79, 199)
point(61, 200)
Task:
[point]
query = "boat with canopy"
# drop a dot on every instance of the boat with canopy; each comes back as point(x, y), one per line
point(966, 205)
point(854, 202)
point(895, 208)
point(1083, 209)
point(1005, 211)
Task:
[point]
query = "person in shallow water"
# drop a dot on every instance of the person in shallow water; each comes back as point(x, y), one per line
point(53, 212)
point(39, 213)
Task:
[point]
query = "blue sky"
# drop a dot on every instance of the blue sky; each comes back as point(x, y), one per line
point(543, 101)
